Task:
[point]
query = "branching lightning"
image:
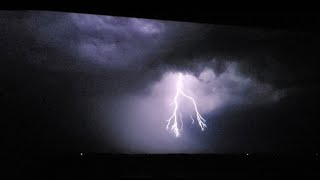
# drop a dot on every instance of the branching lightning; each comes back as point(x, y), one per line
point(173, 120)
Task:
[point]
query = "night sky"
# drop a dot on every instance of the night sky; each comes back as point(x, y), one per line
point(90, 83)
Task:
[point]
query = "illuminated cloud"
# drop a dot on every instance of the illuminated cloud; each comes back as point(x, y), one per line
point(143, 127)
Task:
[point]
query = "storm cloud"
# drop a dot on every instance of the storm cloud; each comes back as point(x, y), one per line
point(107, 80)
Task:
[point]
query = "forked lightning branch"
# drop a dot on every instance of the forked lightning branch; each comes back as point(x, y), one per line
point(175, 122)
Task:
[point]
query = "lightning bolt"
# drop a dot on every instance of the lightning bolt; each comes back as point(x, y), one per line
point(173, 120)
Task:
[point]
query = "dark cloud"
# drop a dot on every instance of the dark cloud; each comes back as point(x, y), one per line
point(93, 78)
point(81, 42)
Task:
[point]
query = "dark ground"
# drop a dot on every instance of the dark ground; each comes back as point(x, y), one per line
point(151, 166)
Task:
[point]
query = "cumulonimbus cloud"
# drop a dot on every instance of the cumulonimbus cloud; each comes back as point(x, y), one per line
point(143, 127)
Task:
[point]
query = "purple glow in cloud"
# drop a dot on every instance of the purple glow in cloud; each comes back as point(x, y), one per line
point(143, 127)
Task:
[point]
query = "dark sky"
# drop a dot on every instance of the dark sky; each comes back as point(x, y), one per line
point(88, 83)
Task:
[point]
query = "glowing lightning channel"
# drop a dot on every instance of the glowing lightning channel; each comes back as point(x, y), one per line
point(174, 126)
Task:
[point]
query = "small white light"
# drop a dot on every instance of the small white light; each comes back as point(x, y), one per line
point(316, 154)
point(81, 154)
point(247, 154)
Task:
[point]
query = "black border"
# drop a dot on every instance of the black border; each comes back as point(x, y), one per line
point(259, 14)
